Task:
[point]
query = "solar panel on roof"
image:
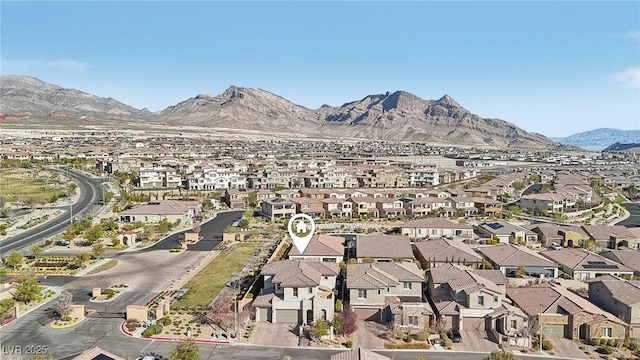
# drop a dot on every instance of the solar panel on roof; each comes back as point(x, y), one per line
point(494, 225)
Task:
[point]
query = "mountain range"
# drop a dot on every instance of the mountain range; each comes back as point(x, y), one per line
point(396, 115)
point(599, 139)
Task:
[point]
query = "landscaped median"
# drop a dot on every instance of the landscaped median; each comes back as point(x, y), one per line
point(59, 324)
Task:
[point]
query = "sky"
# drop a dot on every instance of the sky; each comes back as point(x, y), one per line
point(555, 68)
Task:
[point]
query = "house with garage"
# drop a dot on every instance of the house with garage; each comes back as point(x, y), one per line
point(565, 235)
point(372, 287)
point(336, 208)
point(465, 298)
point(390, 207)
point(311, 207)
point(613, 237)
point(508, 258)
point(321, 247)
point(435, 227)
point(506, 233)
point(564, 314)
point(487, 206)
point(464, 205)
point(582, 264)
point(297, 292)
point(435, 252)
point(619, 297)
point(381, 248)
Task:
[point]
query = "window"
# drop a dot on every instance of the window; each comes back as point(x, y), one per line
point(606, 332)
point(406, 285)
point(323, 314)
point(295, 292)
point(514, 323)
point(310, 290)
point(413, 320)
point(379, 292)
point(481, 300)
point(495, 298)
point(362, 293)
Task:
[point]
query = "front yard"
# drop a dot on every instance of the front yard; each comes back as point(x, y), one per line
point(206, 284)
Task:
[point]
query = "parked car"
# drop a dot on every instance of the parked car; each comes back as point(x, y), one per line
point(455, 336)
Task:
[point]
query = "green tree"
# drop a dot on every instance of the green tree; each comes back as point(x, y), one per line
point(14, 260)
point(98, 249)
point(28, 288)
point(186, 350)
point(93, 234)
point(518, 185)
point(80, 259)
point(36, 249)
point(6, 305)
point(207, 204)
point(244, 223)
point(69, 233)
point(520, 271)
point(502, 355)
point(319, 329)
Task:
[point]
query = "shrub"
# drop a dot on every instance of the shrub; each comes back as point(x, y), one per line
point(448, 343)
point(595, 341)
point(108, 291)
point(632, 345)
point(547, 345)
point(611, 342)
point(408, 339)
point(338, 306)
point(165, 321)
point(422, 336)
point(605, 350)
point(152, 330)
point(132, 324)
point(66, 318)
point(348, 344)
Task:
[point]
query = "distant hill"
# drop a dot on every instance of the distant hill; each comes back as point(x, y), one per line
point(599, 139)
point(391, 116)
point(633, 147)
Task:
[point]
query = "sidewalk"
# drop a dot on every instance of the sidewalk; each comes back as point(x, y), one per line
point(95, 265)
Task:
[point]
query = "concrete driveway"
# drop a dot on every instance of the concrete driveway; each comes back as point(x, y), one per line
point(474, 341)
point(367, 335)
point(568, 348)
point(274, 334)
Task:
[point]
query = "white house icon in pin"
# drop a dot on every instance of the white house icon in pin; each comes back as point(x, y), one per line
point(301, 227)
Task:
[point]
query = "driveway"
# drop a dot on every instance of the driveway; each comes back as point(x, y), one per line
point(568, 348)
point(474, 341)
point(274, 334)
point(367, 335)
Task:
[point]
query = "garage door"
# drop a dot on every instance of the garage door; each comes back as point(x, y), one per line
point(287, 316)
point(368, 314)
point(475, 324)
point(554, 331)
point(263, 314)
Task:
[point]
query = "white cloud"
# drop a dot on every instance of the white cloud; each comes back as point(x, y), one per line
point(629, 77)
point(10, 65)
point(633, 35)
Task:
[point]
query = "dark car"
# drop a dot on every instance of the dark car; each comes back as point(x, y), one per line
point(455, 336)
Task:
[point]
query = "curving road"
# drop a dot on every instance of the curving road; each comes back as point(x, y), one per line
point(90, 192)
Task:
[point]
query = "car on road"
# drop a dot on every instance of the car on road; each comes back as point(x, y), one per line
point(455, 336)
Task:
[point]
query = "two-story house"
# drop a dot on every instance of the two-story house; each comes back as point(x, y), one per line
point(363, 206)
point(619, 297)
point(435, 252)
point(278, 209)
point(373, 286)
point(336, 208)
point(297, 291)
point(389, 207)
point(311, 207)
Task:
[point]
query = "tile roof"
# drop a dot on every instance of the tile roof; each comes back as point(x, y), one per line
point(462, 278)
point(437, 223)
point(443, 250)
point(600, 232)
point(583, 260)
point(626, 292)
point(95, 353)
point(624, 256)
point(157, 208)
point(499, 227)
point(515, 255)
point(382, 274)
point(321, 245)
point(383, 246)
point(299, 273)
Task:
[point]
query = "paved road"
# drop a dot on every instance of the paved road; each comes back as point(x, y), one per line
point(90, 192)
point(634, 219)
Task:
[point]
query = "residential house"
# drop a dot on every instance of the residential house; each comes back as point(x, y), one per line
point(508, 258)
point(464, 205)
point(278, 209)
point(612, 236)
point(625, 256)
point(311, 207)
point(235, 198)
point(564, 314)
point(389, 207)
point(564, 235)
point(297, 291)
point(551, 203)
point(435, 227)
point(506, 233)
point(153, 212)
point(465, 298)
point(435, 252)
point(582, 264)
point(374, 286)
point(260, 196)
point(487, 206)
point(337, 208)
point(158, 177)
point(383, 248)
point(321, 247)
point(363, 206)
point(217, 178)
point(619, 297)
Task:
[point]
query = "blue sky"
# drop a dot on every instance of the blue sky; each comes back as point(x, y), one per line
point(556, 68)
